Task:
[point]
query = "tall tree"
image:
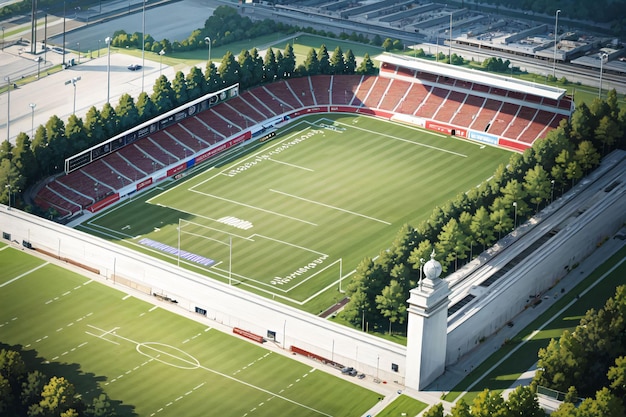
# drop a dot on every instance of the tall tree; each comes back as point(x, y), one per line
point(196, 85)
point(229, 70)
point(24, 160)
point(367, 66)
point(482, 227)
point(213, 80)
point(489, 404)
point(246, 65)
point(522, 402)
point(127, 113)
point(179, 87)
point(337, 62)
point(311, 63)
point(434, 411)
point(75, 134)
point(451, 243)
point(392, 303)
point(289, 61)
point(110, 121)
point(607, 133)
point(163, 96)
point(55, 130)
point(270, 67)
point(32, 388)
point(537, 185)
point(145, 107)
point(93, 126)
point(57, 396)
point(350, 62)
point(587, 156)
point(324, 60)
point(257, 67)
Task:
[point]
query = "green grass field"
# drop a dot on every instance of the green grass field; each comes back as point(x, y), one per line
point(403, 406)
point(152, 362)
point(303, 209)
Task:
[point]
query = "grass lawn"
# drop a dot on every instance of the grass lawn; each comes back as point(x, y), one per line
point(152, 362)
point(509, 371)
point(277, 41)
point(403, 406)
point(291, 218)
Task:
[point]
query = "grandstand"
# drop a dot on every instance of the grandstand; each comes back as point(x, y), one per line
point(487, 108)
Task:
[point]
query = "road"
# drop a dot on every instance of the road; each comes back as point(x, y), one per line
point(50, 94)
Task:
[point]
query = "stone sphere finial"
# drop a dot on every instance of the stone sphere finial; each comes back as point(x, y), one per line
point(432, 268)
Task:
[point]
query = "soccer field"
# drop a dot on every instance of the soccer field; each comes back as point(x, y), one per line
point(152, 362)
point(291, 218)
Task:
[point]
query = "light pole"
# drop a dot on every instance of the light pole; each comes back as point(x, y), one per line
point(32, 119)
point(603, 56)
point(8, 104)
point(207, 40)
point(73, 81)
point(3, 38)
point(143, 42)
point(515, 217)
point(450, 46)
point(108, 42)
point(161, 61)
point(422, 260)
point(8, 187)
point(38, 61)
point(552, 192)
point(78, 47)
point(556, 40)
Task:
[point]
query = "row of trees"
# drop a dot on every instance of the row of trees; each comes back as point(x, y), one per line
point(32, 159)
point(590, 359)
point(28, 392)
point(475, 219)
point(521, 402)
point(226, 26)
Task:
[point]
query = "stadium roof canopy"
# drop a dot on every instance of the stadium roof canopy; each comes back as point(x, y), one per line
point(475, 76)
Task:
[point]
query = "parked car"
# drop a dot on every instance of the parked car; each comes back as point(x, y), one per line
point(134, 67)
point(347, 370)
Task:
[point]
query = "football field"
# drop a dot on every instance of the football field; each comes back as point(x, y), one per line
point(292, 217)
point(152, 362)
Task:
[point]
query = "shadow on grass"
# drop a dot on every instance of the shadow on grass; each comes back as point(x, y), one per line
point(86, 384)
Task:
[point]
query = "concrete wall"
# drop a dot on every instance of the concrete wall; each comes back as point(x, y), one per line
point(537, 273)
point(228, 305)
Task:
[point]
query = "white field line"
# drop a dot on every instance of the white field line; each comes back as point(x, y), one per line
point(291, 165)
point(196, 364)
point(24, 274)
point(406, 140)
point(254, 155)
point(290, 244)
point(254, 207)
point(330, 207)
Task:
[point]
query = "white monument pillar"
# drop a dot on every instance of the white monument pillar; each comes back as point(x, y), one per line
point(427, 328)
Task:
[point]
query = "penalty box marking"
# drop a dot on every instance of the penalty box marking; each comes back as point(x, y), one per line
point(404, 140)
point(329, 206)
point(194, 364)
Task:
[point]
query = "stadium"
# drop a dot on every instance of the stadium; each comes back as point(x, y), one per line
point(494, 110)
point(483, 111)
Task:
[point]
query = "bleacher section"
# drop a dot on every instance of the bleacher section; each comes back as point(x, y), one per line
point(461, 104)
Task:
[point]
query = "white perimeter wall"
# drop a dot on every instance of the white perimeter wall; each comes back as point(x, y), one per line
point(539, 272)
point(227, 305)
